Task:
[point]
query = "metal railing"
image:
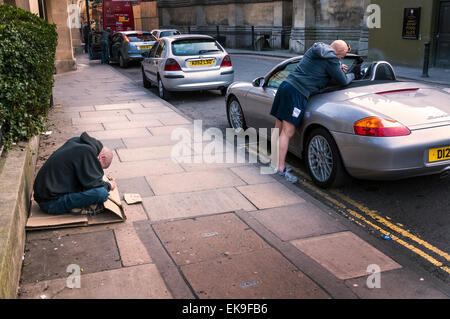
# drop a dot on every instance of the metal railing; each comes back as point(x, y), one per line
point(258, 40)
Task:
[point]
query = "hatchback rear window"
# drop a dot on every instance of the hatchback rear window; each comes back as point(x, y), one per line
point(194, 47)
point(168, 33)
point(140, 37)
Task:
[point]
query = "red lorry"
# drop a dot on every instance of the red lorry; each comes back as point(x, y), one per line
point(118, 15)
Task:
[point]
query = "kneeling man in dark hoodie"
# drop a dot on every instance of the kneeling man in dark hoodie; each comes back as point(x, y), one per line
point(71, 180)
point(319, 64)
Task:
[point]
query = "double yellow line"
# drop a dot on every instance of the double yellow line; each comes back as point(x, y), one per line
point(365, 216)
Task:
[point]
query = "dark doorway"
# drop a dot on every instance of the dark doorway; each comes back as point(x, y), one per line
point(443, 35)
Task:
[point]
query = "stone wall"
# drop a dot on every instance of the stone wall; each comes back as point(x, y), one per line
point(290, 24)
point(328, 20)
point(233, 20)
point(146, 16)
point(17, 168)
point(56, 12)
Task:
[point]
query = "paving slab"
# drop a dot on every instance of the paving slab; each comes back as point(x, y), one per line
point(193, 181)
point(132, 251)
point(261, 274)
point(113, 143)
point(129, 125)
point(252, 175)
point(122, 133)
point(195, 204)
point(270, 195)
point(77, 108)
point(151, 109)
point(134, 212)
point(104, 113)
point(174, 120)
point(394, 284)
point(168, 130)
point(119, 170)
point(159, 140)
point(49, 258)
point(212, 237)
point(119, 106)
point(138, 282)
point(344, 254)
point(135, 185)
point(88, 127)
point(105, 119)
point(153, 116)
point(297, 221)
point(145, 153)
point(154, 103)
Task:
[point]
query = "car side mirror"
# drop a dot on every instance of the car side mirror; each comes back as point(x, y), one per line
point(258, 82)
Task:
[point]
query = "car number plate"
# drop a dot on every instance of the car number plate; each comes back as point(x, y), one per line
point(201, 62)
point(439, 154)
point(145, 47)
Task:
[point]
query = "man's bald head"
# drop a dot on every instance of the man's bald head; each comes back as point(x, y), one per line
point(105, 157)
point(341, 48)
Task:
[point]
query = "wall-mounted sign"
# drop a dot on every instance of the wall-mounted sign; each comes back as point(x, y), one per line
point(411, 22)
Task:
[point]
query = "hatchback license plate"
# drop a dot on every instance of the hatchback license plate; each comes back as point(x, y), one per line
point(145, 47)
point(201, 62)
point(439, 154)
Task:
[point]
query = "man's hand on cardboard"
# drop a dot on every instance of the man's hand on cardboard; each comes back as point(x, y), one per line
point(111, 182)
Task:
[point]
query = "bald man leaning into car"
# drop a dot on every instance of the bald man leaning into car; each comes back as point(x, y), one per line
point(71, 180)
point(320, 63)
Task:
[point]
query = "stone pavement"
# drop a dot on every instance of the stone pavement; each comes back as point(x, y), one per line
point(436, 75)
point(203, 230)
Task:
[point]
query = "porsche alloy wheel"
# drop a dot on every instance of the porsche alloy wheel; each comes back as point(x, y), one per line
point(235, 115)
point(323, 160)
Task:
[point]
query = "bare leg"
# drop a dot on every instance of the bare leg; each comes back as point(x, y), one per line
point(287, 131)
point(274, 156)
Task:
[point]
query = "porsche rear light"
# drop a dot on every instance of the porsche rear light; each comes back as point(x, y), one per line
point(226, 62)
point(379, 127)
point(126, 38)
point(171, 65)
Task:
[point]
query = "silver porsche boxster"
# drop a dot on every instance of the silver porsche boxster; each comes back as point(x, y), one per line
point(376, 128)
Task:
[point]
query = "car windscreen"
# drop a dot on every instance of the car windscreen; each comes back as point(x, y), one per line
point(168, 33)
point(140, 37)
point(187, 47)
point(348, 61)
point(279, 76)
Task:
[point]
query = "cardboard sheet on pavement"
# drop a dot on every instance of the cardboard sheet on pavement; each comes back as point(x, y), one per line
point(113, 213)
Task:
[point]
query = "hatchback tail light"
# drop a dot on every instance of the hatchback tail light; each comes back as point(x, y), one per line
point(171, 65)
point(226, 62)
point(376, 126)
point(126, 38)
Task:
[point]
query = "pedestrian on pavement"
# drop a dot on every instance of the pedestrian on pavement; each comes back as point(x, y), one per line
point(71, 180)
point(319, 64)
point(85, 33)
point(105, 43)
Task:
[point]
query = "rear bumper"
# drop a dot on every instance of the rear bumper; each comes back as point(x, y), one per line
point(391, 158)
point(135, 57)
point(192, 81)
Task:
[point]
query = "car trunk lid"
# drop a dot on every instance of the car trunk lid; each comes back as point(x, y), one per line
point(414, 107)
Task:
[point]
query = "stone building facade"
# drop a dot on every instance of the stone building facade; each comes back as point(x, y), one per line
point(279, 24)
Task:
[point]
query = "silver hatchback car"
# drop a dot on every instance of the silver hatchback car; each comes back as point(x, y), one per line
point(187, 63)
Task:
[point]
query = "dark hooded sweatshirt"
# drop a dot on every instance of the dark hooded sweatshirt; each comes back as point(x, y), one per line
point(316, 68)
point(72, 168)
